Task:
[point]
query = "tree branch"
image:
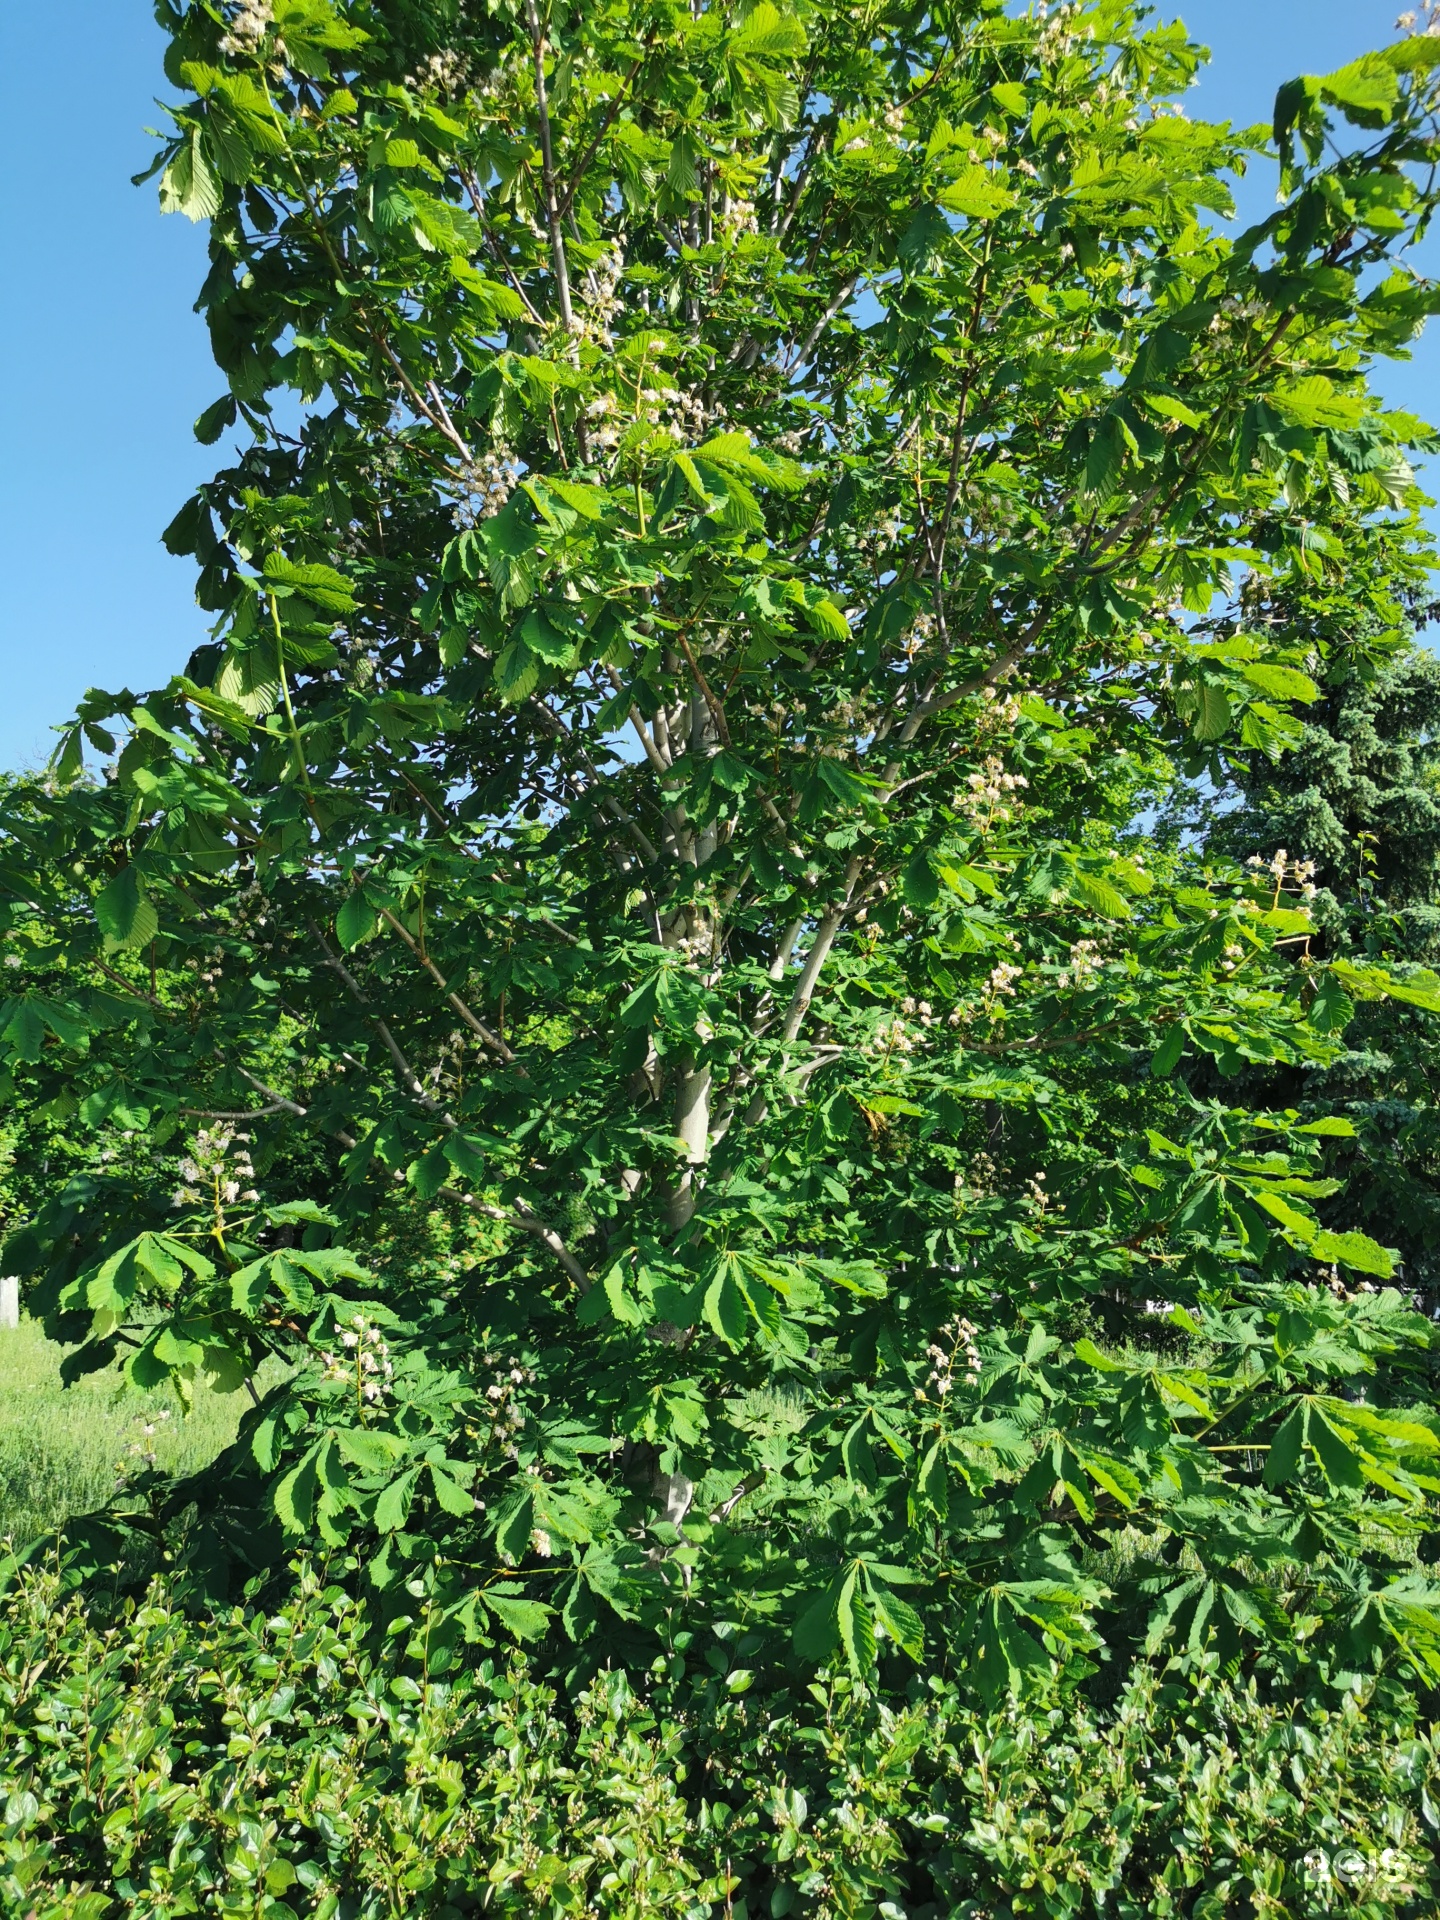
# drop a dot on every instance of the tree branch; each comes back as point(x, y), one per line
point(547, 160)
point(475, 1024)
point(531, 1223)
point(578, 171)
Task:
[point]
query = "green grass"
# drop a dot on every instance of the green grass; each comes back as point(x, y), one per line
point(61, 1447)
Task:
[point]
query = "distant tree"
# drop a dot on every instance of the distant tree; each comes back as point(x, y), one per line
point(1359, 796)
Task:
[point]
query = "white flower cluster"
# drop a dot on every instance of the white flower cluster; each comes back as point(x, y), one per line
point(919, 634)
point(443, 73)
point(603, 424)
point(211, 1175)
point(1000, 982)
point(488, 484)
point(493, 87)
point(1341, 1291)
point(249, 25)
point(1084, 967)
point(893, 118)
point(209, 970)
point(601, 299)
point(919, 1009)
point(737, 217)
point(13, 960)
point(682, 416)
point(1035, 1195)
point(697, 946)
point(501, 1408)
point(250, 914)
point(1299, 873)
point(999, 713)
point(141, 1450)
point(1426, 21)
point(365, 1362)
point(449, 1063)
point(988, 796)
point(1057, 40)
point(963, 1347)
point(978, 1183)
point(891, 1036)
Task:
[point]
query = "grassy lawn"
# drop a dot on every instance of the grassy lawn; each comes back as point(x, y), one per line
point(62, 1448)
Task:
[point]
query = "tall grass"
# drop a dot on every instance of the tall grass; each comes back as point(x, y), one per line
point(63, 1449)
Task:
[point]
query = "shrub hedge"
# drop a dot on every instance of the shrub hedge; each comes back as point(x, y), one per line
point(295, 1764)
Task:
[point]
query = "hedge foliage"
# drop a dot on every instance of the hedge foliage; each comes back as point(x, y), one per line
point(289, 1764)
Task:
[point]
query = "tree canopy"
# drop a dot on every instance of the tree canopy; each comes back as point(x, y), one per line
point(640, 959)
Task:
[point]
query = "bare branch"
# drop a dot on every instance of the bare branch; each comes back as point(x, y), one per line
point(547, 159)
point(409, 1079)
point(242, 1115)
point(820, 325)
point(531, 1223)
point(477, 201)
point(577, 173)
point(475, 1024)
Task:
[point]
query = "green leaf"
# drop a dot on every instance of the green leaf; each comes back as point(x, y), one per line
point(249, 1286)
point(322, 585)
point(979, 193)
point(828, 621)
point(126, 916)
point(817, 1631)
point(1087, 1351)
point(429, 1173)
point(1282, 683)
point(546, 640)
point(1369, 86)
point(187, 185)
point(1101, 895)
point(465, 1155)
point(1339, 1461)
point(514, 1525)
point(855, 1625)
point(214, 420)
point(356, 921)
point(767, 33)
point(724, 1307)
point(516, 673)
point(526, 1619)
point(1315, 402)
point(294, 1498)
point(1169, 407)
point(449, 1495)
point(1355, 1250)
point(369, 1450)
point(392, 1509)
point(899, 1619)
point(1167, 1055)
point(589, 502)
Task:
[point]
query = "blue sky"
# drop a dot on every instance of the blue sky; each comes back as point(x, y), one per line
point(107, 365)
